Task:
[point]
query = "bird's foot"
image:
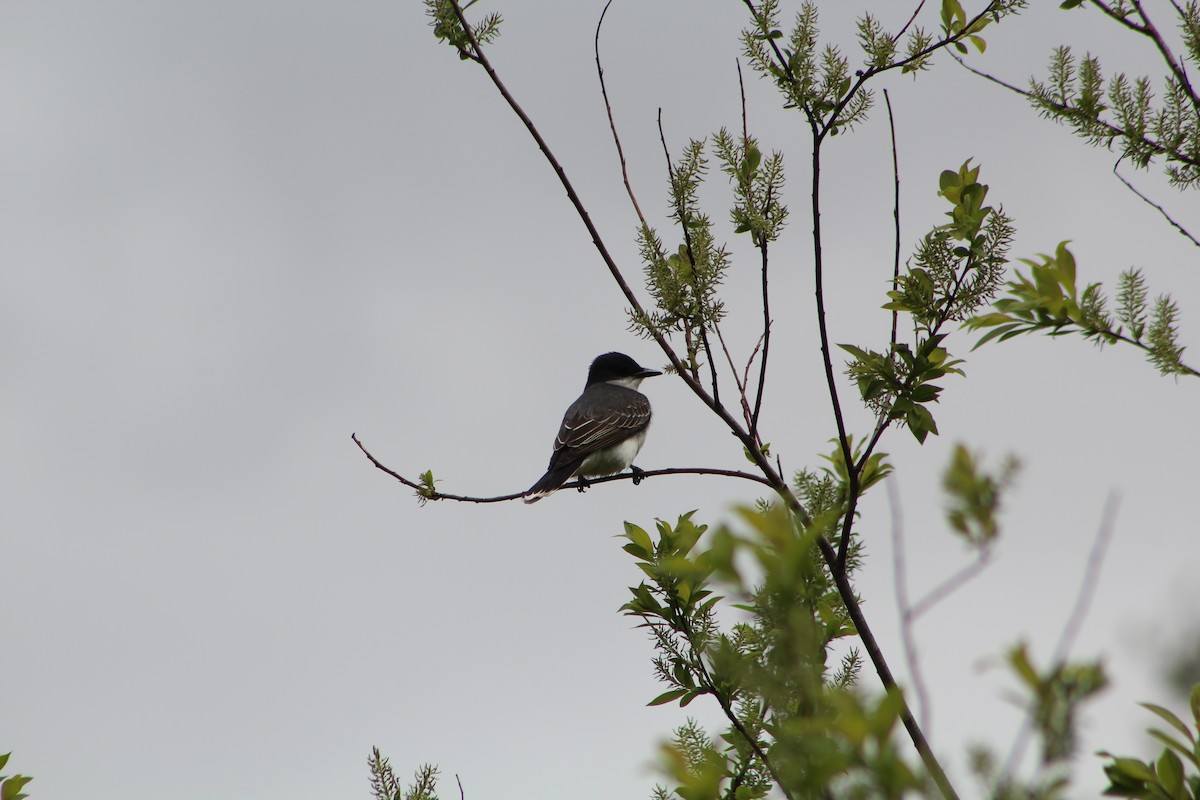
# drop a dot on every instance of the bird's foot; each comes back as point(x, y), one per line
point(638, 473)
point(583, 483)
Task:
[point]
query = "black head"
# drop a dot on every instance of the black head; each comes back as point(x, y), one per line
point(614, 366)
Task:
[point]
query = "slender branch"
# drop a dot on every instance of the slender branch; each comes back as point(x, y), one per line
point(726, 706)
point(951, 584)
point(1089, 582)
point(900, 579)
point(846, 590)
point(1079, 610)
point(911, 20)
point(689, 379)
point(712, 367)
point(895, 208)
point(687, 242)
point(479, 56)
point(741, 386)
point(765, 339)
point(882, 423)
point(1154, 205)
point(885, 419)
point(1112, 131)
point(773, 477)
point(826, 354)
point(637, 477)
point(1116, 132)
point(866, 75)
point(829, 121)
point(612, 125)
point(1105, 336)
point(1124, 20)
point(1176, 67)
point(763, 246)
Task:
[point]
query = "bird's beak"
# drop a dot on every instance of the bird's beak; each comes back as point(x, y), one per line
point(647, 373)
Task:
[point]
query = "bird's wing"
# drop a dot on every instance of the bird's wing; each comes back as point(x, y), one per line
point(585, 430)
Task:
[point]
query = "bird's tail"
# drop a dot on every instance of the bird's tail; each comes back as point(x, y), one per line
point(550, 482)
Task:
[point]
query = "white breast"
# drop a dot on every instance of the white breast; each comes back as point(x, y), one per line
point(613, 460)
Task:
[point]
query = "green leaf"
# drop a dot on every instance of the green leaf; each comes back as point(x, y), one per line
point(920, 423)
point(639, 539)
point(11, 788)
point(1018, 658)
point(1132, 768)
point(857, 352)
point(1066, 267)
point(1155, 733)
point(1172, 720)
point(949, 180)
point(662, 699)
point(925, 393)
point(1170, 774)
point(1194, 702)
point(753, 157)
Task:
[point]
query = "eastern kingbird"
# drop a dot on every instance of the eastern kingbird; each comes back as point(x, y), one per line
point(603, 430)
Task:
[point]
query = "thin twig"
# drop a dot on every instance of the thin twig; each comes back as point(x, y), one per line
point(907, 640)
point(727, 707)
point(1079, 610)
point(479, 56)
point(911, 20)
point(763, 245)
point(895, 208)
point(681, 213)
point(952, 584)
point(1154, 205)
point(624, 476)
point(612, 125)
point(827, 355)
point(461, 794)
point(1174, 64)
point(1111, 131)
point(773, 477)
point(741, 387)
point(1091, 579)
point(690, 380)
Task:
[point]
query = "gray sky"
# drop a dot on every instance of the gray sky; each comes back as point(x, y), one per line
point(231, 234)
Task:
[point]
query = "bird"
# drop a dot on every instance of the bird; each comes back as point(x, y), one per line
point(603, 430)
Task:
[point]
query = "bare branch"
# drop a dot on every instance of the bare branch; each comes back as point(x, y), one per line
point(612, 125)
point(772, 477)
point(911, 20)
point(1175, 65)
point(1154, 205)
point(637, 477)
point(1083, 601)
point(895, 206)
point(741, 386)
point(900, 578)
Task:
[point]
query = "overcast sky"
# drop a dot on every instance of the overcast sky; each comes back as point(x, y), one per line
point(233, 233)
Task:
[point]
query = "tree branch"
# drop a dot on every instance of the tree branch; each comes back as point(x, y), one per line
point(1148, 29)
point(773, 478)
point(637, 477)
point(1071, 113)
point(1083, 600)
point(612, 125)
point(1154, 205)
point(900, 580)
